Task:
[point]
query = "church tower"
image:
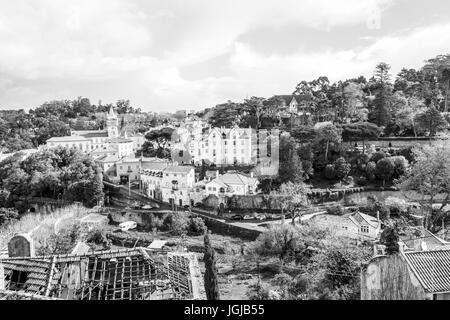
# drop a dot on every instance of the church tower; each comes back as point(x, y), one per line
point(112, 124)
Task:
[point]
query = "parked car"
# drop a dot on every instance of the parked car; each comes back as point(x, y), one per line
point(237, 217)
point(249, 217)
point(260, 217)
point(128, 225)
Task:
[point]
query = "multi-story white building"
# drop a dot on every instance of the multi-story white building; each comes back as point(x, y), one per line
point(99, 143)
point(220, 146)
point(168, 182)
point(129, 168)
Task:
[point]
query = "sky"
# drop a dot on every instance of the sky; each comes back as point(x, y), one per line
point(168, 55)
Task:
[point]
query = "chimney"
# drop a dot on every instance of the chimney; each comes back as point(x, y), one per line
point(378, 216)
point(217, 174)
point(251, 174)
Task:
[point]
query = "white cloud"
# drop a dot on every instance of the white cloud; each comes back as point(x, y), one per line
point(112, 49)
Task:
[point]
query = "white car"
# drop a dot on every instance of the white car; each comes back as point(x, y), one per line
point(128, 225)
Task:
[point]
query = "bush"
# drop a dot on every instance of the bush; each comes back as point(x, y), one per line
point(370, 171)
point(197, 227)
point(177, 223)
point(62, 242)
point(400, 166)
point(329, 172)
point(384, 169)
point(377, 156)
point(8, 215)
point(336, 210)
point(373, 206)
point(396, 205)
point(341, 168)
point(361, 181)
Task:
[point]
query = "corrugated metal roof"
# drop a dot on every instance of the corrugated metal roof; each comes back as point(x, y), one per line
point(432, 268)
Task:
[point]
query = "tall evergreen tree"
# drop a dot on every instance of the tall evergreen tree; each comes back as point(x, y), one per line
point(383, 94)
point(210, 279)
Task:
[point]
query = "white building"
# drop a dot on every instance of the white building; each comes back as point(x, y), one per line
point(230, 184)
point(99, 143)
point(129, 168)
point(169, 183)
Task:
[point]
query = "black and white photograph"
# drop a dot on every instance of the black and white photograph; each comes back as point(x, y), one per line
point(224, 157)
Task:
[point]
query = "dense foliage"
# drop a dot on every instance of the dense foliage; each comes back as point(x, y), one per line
point(59, 173)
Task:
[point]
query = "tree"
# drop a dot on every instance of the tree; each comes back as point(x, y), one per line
point(385, 169)
point(295, 195)
point(360, 131)
point(290, 164)
point(430, 177)
point(389, 237)
point(431, 120)
point(256, 106)
point(440, 67)
point(325, 136)
point(406, 113)
point(211, 280)
point(158, 142)
point(7, 215)
point(341, 168)
point(383, 94)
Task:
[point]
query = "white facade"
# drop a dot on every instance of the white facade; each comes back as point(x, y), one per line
point(231, 184)
point(168, 183)
point(221, 146)
point(99, 143)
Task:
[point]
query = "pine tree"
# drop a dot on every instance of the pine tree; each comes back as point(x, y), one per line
point(210, 279)
point(383, 95)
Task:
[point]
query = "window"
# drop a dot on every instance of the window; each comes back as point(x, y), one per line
point(120, 167)
point(234, 143)
point(365, 229)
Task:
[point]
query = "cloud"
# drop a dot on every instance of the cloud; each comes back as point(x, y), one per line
point(113, 49)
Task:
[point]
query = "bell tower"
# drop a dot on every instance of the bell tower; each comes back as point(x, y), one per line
point(112, 124)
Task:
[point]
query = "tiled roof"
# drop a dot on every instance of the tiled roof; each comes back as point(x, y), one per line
point(120, 140)
point(432, 268)
point(109, 159)
point(432, 242)
point(99, 134)
point(67, 138)
point(179, 169)
point(154, 166)
point(236, 178)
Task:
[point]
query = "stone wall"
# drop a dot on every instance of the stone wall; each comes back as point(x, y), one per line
point(389, 278)
point(226, 229)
